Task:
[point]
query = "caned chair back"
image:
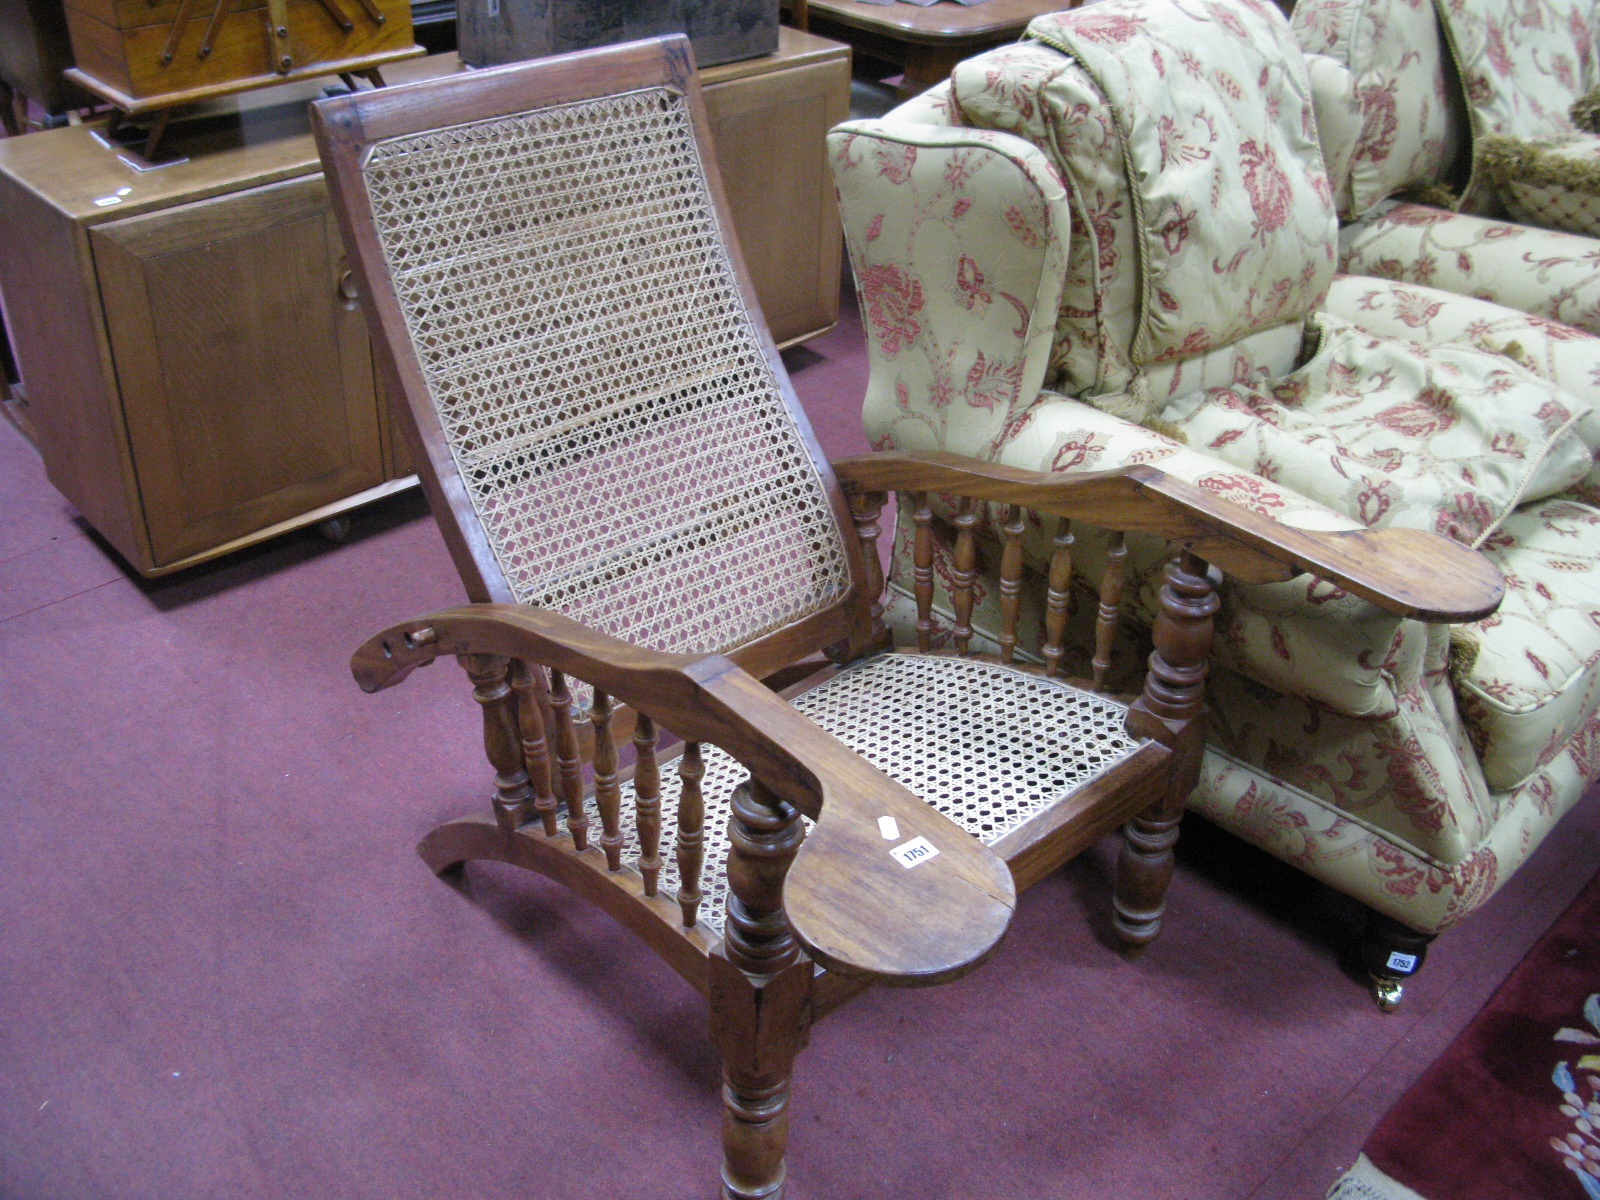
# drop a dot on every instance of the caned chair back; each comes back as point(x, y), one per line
point(596, 397)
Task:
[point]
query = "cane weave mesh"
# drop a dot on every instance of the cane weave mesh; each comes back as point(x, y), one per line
point(604, 393)
point(989, 746)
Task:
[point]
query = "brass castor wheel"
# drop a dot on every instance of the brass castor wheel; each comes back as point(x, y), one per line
point(1391, 953)
point(1387, 992)
point(336, 529)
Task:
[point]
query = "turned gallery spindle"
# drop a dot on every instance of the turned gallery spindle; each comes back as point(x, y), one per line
point(647, 801)
point(569, 766)
point(690, 848)
point(864, 510)
point(1110, 610)
point(607, 793)
point(922, 570)
point(764, 832)
point(533, 707)
point(1058, 597)
point(963, 571)
point(502, 738)
point(1012, 523)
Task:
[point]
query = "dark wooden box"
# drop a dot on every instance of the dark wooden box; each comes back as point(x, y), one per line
point(489, 32)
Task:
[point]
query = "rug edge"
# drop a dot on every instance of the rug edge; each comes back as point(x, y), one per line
point(1363, 1181)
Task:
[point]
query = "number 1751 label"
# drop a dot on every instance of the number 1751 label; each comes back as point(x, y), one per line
point(917, 850)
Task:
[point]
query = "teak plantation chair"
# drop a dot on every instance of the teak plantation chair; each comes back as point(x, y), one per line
point(647, 532)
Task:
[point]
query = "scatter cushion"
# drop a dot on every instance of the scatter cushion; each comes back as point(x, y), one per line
point(1554, 183)
point(1205, 209)
point(1444, 438)
point(1529, 675)
point(1399, 85)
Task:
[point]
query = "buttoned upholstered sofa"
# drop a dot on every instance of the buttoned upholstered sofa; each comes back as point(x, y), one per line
point(1116, 242)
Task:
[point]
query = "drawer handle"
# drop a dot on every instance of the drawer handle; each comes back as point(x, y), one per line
point(348, 289)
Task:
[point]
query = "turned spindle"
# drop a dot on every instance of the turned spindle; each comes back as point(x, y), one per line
point(964, 571)
point(764, 833)
point(647, 801)
point(533, 707)
point(1110, 610)
point(502, 736)
point(1058, 597)
point(569, 766)
point(865, 508)
point(772, 979)
point(922, 570)
point(690, 848)
point(1171, 709)
point(607, 792)
point(1012, 524)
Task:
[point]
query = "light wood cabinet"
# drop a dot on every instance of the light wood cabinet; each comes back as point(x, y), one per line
point(245, 405)
point(193, 358)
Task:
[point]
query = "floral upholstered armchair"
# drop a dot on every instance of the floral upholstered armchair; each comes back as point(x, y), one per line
point(1440, 122)
point(1115, 242)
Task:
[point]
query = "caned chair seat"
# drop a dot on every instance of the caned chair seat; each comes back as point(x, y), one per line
point(995, 748)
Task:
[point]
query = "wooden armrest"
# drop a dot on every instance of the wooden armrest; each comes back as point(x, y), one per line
point(1409, 572)
point(854, 908)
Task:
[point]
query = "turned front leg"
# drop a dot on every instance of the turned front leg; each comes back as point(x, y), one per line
point(760, 986)
point(1170, 710)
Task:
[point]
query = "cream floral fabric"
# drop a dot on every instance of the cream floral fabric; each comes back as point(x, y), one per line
point(958, 241)
point(1524, 63)
point(1413, 766)
point(1441, 437)
point(1567, 357)
point(1008, 89)
point(1529, 676)
point(1397, 77)
point(1147, 137)
point(1394, 814)
point(1545, 272)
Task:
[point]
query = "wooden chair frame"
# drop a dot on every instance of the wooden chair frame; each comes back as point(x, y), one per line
point(812, 917)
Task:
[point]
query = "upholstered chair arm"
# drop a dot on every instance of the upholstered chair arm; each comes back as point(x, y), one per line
point(1540, 271)
point(853, 907)
point(958, 239)
point(1408, 572)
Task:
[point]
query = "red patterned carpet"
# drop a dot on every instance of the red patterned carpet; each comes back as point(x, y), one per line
point(1512, 1107)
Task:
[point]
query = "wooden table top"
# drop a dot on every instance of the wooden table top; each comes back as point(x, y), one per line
point(944, 22)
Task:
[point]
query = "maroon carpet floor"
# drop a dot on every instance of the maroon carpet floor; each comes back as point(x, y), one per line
point(1510, 1111)
point(224, 972)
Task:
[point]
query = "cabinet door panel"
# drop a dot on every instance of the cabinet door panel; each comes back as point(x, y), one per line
point(245, 374)
point(770, 133)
